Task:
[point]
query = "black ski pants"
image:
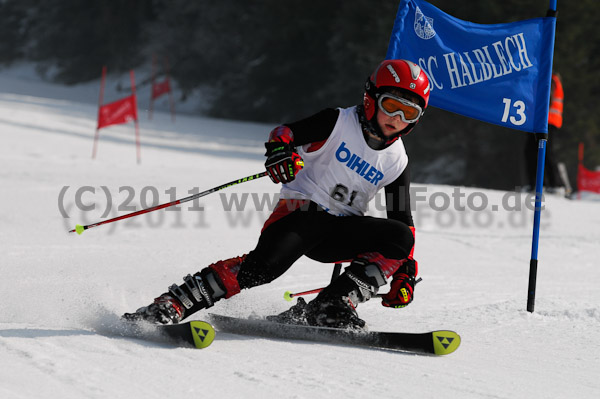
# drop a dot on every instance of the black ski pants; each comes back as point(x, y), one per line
point(323, 237)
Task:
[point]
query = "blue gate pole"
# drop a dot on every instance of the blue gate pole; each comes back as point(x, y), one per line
point(542, 139)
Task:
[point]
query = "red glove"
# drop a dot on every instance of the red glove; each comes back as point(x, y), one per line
point(402, 286)
point(283, 162)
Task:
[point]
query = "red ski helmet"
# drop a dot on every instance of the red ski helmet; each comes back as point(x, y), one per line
point(393, 75)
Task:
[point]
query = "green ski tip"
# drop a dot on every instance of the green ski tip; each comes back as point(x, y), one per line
point(445, 342)
point(287, 296)
point(202, 333)
point(79, 229)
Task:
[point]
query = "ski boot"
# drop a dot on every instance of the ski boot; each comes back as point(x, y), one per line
point(197, 292)
point(294, 315)
point(164, 310)
point(335, 306)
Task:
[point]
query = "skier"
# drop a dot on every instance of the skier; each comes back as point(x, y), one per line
point(331, 165)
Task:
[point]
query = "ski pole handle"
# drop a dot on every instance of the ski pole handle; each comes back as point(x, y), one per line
point(80, 229)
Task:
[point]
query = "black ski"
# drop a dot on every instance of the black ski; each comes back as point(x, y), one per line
point(197, 334)
point(434, 342)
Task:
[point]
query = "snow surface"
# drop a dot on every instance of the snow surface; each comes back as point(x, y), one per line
point(59, 290)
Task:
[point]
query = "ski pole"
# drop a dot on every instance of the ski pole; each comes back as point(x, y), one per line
point(288, 295)
point(80, 229)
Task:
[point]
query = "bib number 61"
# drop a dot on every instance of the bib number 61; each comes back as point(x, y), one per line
point(342, 193)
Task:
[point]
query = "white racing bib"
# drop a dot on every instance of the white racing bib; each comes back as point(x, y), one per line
point(345, 173)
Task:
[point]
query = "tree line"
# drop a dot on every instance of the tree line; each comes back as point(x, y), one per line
point(276, 61)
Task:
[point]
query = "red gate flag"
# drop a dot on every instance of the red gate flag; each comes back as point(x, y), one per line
point(120, 111)
point(117, 112)
point(588, 180)
point(160, 88)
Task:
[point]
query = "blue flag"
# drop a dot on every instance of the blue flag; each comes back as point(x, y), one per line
point(496, 73)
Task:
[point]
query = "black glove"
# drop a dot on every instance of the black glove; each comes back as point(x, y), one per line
point(283, 162)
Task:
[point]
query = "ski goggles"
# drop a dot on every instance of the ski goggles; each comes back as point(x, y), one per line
point(392, 106)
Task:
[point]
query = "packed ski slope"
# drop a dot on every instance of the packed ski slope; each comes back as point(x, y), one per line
point(59, 291)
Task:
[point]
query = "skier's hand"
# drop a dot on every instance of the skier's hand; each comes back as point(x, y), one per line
point(402, 287)
point(283, 163)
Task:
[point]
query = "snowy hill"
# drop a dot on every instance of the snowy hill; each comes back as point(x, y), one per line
point(60, 289)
